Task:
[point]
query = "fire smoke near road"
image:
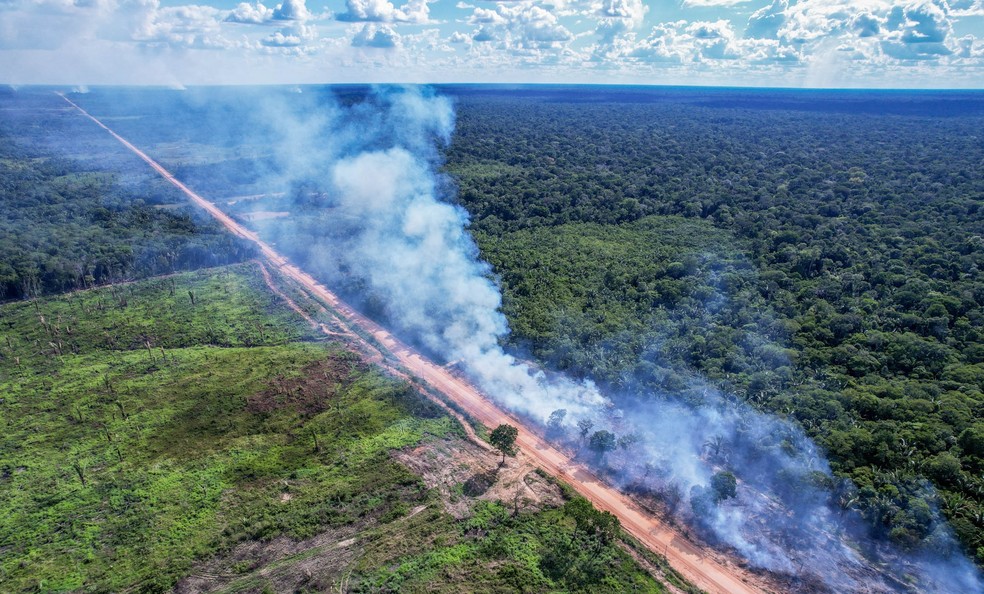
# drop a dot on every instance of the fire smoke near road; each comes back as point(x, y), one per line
point(392, 234)
point(396, 231)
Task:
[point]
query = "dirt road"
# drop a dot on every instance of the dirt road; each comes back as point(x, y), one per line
point(687, 558)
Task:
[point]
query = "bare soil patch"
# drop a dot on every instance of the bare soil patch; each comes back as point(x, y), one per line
point(463, 473)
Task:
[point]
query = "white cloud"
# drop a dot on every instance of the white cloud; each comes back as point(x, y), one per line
point(630, 10)
point(376, 36)
point(519, 26)
point(258, 14)
point(767, 21)
point(964, 8)
point(815, 19)
point(770, 52)
point(794, 41)
point(866, 30)
point(45, 25)
point(487, 16)
point(917, 31)
point(64, 25)
point(255, 14)
point(709, 44)
point(921, 22)
point(383, 11)
point(712, 40)
point(707, 30)
point(660, 46)
point(970, 47)
point(866, 24)
point(291, 10)
point(484, 35)
point(294, 35)
point(683, 42)
point(147, 23)
point(616, 18)
point(713, 3)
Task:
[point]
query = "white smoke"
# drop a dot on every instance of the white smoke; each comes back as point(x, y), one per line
point(415, 252)
point(389, 223)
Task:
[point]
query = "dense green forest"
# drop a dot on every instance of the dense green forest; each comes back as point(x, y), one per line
point(69, 223)
point(820, 262)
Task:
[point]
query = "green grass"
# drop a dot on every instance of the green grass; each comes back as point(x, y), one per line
point(187, 451)
point(496, 551)
point(225, 307)
point(125, 467)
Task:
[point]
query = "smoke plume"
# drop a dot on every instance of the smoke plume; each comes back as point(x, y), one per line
point(391, 234)
point(394, 231)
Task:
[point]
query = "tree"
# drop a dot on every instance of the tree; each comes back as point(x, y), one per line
point(585, 426)
point(606, 527)
point(555, 423)
point(589, 521)
point(715, 446)
point(725, 486)
point(602, 442)
point(503, 438)
point(580, 510)
point(972, 440)
point(701, 502)
point(627, 441)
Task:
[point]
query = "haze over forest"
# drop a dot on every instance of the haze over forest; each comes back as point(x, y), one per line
point(323, 297)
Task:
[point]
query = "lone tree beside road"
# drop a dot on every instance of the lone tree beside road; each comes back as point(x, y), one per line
point(503, 438)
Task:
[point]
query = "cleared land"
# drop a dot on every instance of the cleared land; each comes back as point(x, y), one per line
point(192, 431)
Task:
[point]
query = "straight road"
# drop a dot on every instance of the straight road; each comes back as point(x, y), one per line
point(684, 556)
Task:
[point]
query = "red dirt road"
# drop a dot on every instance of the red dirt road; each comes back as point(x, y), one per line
point(685, 557)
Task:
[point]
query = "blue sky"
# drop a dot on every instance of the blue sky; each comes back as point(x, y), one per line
point(790, 43)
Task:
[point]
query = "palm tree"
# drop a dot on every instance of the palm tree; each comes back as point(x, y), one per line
point(715, 446)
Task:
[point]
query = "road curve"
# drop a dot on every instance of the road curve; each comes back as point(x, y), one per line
point(684, 556)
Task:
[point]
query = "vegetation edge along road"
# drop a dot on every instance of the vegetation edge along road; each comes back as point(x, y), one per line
point(683, 555)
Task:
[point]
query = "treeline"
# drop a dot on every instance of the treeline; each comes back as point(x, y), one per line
point(65, 226)
point(825, 266)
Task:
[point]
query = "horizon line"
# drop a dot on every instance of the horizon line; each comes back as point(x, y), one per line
point(624, 85)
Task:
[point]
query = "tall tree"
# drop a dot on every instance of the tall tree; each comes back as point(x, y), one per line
point(503, 438)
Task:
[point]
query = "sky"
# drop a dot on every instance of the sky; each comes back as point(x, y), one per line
point(778, 43)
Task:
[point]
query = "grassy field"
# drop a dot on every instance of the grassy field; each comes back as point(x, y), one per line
point(190, 432)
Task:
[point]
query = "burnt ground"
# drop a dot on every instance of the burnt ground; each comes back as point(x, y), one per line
point(313, 390)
